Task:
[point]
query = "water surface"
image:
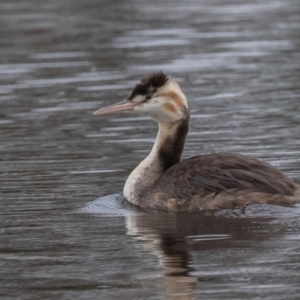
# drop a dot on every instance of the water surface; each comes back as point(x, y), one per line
point(65, 231)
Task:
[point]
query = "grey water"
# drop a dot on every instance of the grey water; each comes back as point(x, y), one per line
point(65, 231)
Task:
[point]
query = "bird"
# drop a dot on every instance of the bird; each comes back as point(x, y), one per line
point(165, 181)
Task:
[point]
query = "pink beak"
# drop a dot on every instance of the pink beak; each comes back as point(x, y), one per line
point(122, 106)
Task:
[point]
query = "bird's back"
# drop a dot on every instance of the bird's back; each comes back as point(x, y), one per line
point(222, 180)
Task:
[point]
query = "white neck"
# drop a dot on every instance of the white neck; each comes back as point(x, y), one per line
point(166, 152)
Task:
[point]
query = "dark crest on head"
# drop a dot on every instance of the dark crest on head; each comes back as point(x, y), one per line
point(149, 85)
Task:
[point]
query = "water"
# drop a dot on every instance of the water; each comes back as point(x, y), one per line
point(238, 63)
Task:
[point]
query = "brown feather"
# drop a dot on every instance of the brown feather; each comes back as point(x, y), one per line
point(223, 171)
point(223, 180)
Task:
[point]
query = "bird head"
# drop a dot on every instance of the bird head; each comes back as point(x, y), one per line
point(156, 95)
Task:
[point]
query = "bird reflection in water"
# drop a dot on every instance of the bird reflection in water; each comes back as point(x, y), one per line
point(174, 237)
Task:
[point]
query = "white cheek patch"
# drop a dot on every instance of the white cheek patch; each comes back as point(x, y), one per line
point(138, 99)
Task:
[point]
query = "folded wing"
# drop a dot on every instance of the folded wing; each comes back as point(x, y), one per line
point(215, 173)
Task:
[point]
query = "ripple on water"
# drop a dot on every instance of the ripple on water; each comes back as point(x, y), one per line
point(108, 206)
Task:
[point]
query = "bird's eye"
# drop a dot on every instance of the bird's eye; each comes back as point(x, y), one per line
point(148, 97)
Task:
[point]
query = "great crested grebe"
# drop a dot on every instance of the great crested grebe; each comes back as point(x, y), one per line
point(205, 182)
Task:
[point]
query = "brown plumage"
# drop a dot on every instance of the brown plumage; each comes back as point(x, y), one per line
point(205, 182)
point(223, 180)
